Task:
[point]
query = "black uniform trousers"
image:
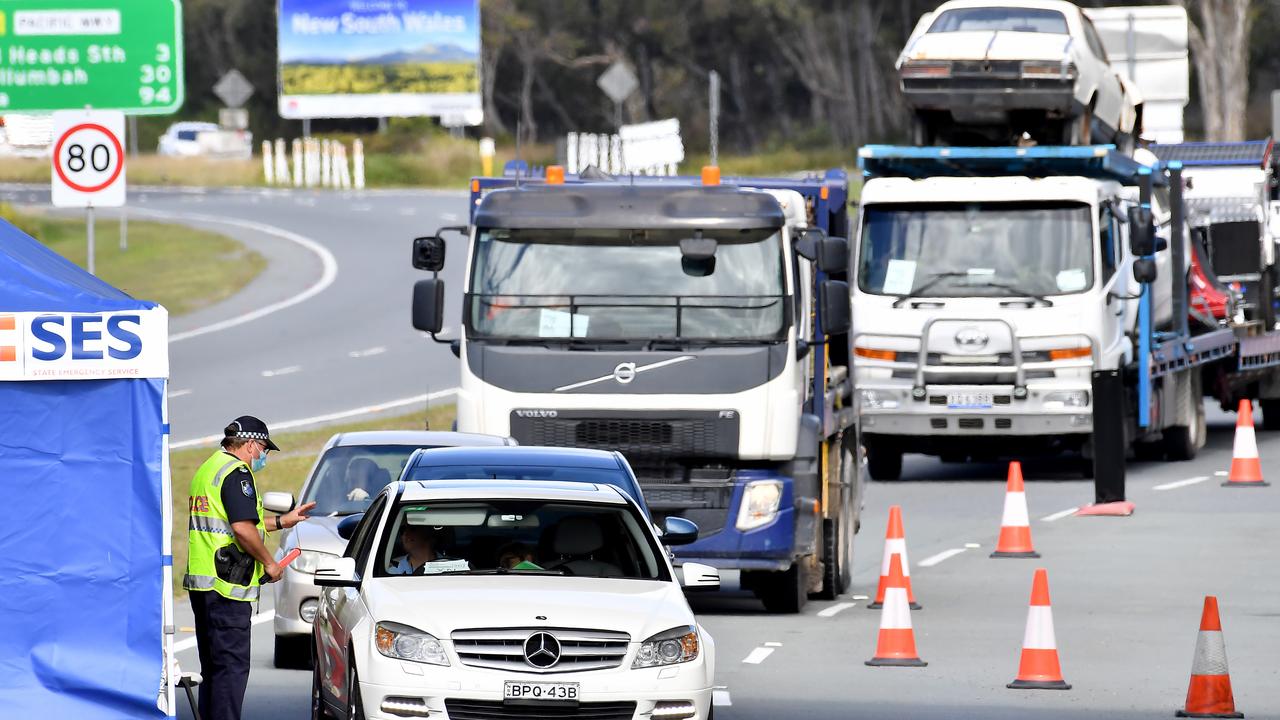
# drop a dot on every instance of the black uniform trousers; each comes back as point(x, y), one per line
point(223, 629)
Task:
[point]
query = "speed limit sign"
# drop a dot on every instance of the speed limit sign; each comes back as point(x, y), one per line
point(88, 158)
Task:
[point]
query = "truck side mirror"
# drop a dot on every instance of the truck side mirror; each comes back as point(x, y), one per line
point(807, 244)
point(428, 253)
point(1142, 239)
point(1144, 270)
point(833, 298)
point(833, 255)
point(428, 305)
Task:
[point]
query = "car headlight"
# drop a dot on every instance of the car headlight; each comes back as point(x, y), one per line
point(308, 560)
point(926, 69)
point(1048, 69)
point(760, 500)
point(876, 400)
point(677, 645)
point(1068, 399)
point(406, 643)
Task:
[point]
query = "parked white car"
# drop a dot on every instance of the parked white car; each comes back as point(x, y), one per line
point(982, 72)
point(529, 600)
point(205, 139)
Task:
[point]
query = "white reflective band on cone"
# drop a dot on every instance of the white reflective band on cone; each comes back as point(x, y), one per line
point(1015, 510)
point(1039, 634)
point(1211, 654)
point(891, 547)
point(895, 615)
point(1246, 443)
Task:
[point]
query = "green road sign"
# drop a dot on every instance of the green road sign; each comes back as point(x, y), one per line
point(105, 54)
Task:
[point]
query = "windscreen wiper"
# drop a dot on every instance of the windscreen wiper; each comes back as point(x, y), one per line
point(1017, 291)
point(934, 279)
point(500, 571)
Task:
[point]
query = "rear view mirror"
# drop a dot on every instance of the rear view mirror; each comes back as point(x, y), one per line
point(428, 305)
point(698, 247)
point(696, 577)
point(1142, 240)
point(277, 502)
point(833, 298)
point(428, 253)
point(833, 255)
point(347, 525)
point(678, 531)
point(337, 572)
point(1144, 270)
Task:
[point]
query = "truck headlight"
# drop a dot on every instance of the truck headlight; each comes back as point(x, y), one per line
point(876, 400)
point(677, 645)
point(309, 560)
point(760, 501)
point(406, 643)
point(1068, 399)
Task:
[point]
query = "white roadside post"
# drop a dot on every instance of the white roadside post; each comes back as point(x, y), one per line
point(297, 163)
point(487, 150)
point(571, 153)
point(326, 163)
point(282, 163)
point(88, 163)
point(357, 152)
point(268, 167)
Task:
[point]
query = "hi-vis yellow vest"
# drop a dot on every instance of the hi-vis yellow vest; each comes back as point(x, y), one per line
point(209, 530)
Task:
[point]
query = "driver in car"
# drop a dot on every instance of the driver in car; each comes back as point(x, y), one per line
point(419, 543)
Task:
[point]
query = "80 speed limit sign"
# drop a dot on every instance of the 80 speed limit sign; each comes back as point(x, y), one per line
point(88, 159)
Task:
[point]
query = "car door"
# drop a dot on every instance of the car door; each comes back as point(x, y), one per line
point(335, 617)
point(1109, 99)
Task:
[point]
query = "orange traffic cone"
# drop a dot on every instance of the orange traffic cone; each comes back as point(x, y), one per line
point(1039, 668)
point(895, 543)
point(1246, 468)
point(1015, 527)
point(897, 643)
point(1209, 695)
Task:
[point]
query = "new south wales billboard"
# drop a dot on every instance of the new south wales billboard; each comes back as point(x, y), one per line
point(380, 58)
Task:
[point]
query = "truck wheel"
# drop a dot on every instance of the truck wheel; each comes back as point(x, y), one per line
point(784, 592)
point(1149, 451)
point(884, 463)
point(836, 546)
point(292, 653)
point(1270, 414)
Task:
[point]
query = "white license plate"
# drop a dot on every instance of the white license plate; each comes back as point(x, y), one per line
point(544, 691)
point(969, 401)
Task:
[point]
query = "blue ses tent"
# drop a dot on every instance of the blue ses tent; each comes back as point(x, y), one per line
point(85, 562)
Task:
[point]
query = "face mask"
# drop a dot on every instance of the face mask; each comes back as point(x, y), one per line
point(259, 462)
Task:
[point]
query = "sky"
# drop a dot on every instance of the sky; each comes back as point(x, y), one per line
point(295, 45)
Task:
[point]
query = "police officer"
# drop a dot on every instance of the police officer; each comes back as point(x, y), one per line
point(228, 560)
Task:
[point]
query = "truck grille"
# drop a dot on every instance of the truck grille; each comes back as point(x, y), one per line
point(503, 649)
point(639, 435)
point(487, 710)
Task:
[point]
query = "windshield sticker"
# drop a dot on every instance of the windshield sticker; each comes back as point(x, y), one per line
point(555, 323)
point(1072, 280)
point(899, 277)
point(436, 567)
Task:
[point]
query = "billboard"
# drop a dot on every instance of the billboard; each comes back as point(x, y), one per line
point(380, 58)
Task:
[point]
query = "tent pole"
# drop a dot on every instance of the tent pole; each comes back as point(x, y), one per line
point(166, 512)
point(89, 230)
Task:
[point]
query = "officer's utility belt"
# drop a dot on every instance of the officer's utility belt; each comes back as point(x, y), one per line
point(233, 565)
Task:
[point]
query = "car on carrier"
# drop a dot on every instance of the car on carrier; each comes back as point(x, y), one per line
point(976, 72)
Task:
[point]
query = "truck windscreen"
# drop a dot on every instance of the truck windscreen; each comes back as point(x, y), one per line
point(976, 249)
point(626, 285)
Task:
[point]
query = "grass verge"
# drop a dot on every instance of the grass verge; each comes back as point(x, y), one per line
point(182, 268)
point(286, 471)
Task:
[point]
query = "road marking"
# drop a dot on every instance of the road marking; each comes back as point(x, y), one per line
point(258, 619)
point(1221, 473)
point(835, 609)
point(282, 371)
point(859, 597)
point(327, 275)
point(773, 644)
point(449, 217)
point(1181, 483)
point(972, 546)
point(721, 698)
point(361, 207)
point(1059, 515)
point(408, 211)
point(758, 655)
point(329, 417)
point(178, 393)
point(935, 559)
point(370, 352)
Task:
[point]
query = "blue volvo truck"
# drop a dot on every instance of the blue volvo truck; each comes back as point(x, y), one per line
point(698, 325)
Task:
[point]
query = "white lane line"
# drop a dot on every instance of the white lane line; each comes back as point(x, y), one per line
point(188, 643)
point(859, 597)
point(758, 655)
point(835, 609)
point(368, 352)
point(282, 371)
point(1221, 473)
point(935, 559)
point(720, 698)
point(328, 274)
point(773, 644)
point(1059, 515)
point(408, 211)
point(178, 393)
point(449, 217)
point(972, 546)
point(330, 417)
point(1181, 483)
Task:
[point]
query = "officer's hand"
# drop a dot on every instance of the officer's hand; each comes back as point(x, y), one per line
point(297, 515)
point(274, 572)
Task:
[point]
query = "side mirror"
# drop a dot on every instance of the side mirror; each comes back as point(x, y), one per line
point(833, 298)
point(1144, 270)
point(696, 577)
point(337, 572)
point(428, 253)
point(428, 305)
point(833, 255)
point(347, 525)
point(807, 244)
point(678, 531)
point(277, 502)
point(1142, 240)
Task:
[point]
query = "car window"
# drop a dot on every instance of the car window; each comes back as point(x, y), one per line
point(513, 537)
point(187, 134)
point(1109, 236)
point(1095, 42)
point(348, 477)
point(1000, 18)
point(362, 540)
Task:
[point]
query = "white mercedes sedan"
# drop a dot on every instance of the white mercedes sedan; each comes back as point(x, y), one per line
point(503, 599)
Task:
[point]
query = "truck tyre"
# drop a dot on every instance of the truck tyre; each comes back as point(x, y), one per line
point(292, 653)
point(884, 463)
point(1270, 414)
point(784, 592)
point(1149, 451)
point(835, 560)
point(1183, 442)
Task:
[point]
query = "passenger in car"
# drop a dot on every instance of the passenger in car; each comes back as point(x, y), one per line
point(419, 543)
point(517, 556)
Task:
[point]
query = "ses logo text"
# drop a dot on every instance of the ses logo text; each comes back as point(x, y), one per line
point(67, 346)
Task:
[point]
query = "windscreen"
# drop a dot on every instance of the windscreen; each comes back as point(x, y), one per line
point(518, 472)
point(518, 537)
point(347, 478)
point(976, 249)
point(626, 285)
point(1000, 18)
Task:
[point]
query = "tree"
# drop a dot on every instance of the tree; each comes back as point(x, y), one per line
point(1219, 38)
